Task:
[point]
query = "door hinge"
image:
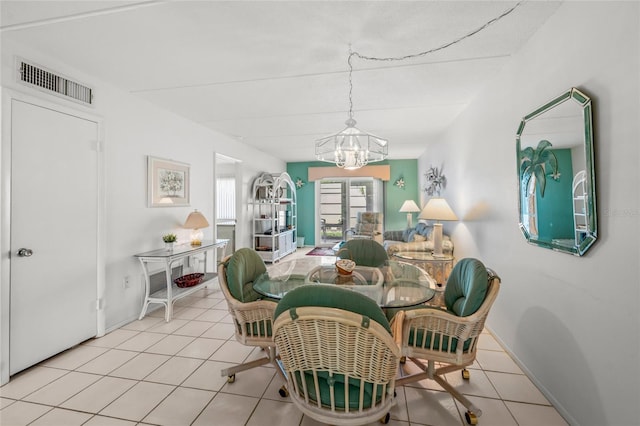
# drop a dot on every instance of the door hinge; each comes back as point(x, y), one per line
point(96, 146)
point(99, 304)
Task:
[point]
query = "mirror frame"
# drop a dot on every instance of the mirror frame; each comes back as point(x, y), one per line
point(583, 101)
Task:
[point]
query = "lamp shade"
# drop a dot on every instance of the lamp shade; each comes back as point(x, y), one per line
point(437, 209)
point(409, 206)
point(196, 220)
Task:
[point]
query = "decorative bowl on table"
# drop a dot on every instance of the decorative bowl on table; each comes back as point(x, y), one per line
point(189, 280)
point(345, 266)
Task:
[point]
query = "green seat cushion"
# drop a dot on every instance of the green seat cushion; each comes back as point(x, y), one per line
point(331, 296)
point(242, 268)
point(364, 252)
point(436, 345)
point(466, 287)
point(325, 381)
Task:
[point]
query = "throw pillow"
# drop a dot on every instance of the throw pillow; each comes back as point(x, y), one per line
point(419, 238)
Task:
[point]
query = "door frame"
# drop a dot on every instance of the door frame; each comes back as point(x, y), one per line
point(8, 95)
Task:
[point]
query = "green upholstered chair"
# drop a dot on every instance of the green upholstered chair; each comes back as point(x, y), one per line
point(369, 225)
point(449, 336)
point(364, 252)
point(252, 317)
point(338, 354)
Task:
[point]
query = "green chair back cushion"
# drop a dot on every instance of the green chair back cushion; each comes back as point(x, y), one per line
point(332, 296)
point(325, 382)
point(466, 287)
point(364, 252)
point(242, 268)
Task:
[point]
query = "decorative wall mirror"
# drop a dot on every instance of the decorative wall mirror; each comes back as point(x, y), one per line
point(556, 191)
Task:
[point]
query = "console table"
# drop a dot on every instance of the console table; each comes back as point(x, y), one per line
point(167, 257)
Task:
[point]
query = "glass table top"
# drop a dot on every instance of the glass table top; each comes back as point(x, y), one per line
point(392, 284)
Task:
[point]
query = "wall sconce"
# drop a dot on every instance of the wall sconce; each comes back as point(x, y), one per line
point(196, 221)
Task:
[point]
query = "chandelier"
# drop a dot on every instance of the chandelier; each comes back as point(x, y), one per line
point(353, 148)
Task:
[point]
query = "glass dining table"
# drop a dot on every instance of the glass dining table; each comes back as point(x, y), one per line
point(393, 284)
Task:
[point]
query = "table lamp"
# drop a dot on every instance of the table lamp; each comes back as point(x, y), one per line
point(437, 209)
point(196, 221)
point(409, 207)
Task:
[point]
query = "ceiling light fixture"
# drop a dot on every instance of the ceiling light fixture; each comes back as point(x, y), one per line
point(353, 148)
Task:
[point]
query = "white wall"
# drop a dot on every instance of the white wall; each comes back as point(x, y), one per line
point(134, 129)
point(572, 322)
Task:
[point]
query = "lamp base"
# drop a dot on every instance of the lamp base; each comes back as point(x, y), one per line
point(437, 240)
point(409, 224)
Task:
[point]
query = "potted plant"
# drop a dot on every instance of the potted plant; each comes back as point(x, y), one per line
point(169, 240)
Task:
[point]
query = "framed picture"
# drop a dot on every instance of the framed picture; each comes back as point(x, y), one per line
point(168, 183)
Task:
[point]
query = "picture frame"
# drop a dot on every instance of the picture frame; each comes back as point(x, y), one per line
point(168, 183)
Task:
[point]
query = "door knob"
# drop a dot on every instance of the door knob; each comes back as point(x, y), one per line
point(25, 252)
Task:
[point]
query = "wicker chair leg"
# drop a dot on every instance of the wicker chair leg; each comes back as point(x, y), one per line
point(475, 411)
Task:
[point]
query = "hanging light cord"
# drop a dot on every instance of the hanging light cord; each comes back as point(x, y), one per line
point(416, 55)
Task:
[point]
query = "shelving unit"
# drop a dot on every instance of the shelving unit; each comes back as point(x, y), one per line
point(275, 216)
point(580, 219)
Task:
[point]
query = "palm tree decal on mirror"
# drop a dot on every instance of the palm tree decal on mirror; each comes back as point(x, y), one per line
point(538, 162)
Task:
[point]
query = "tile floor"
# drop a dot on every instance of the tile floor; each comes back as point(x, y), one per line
point(150, 372)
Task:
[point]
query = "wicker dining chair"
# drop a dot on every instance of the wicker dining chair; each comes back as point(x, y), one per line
point(364, 252)
point(252, 317)
point(450, 336)
point(337, 353)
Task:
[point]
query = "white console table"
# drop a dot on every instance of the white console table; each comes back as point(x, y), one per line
point(168, 257)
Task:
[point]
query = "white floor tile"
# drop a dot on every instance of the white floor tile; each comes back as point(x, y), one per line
point(5, 402)
point(281, 413)
point(62, 389)
point(234, 409)
point(174, 371)
point(487, 342)
point(112, 339)
point(107, 362)
point(141, 341)
point(170, 345)
point(212, 315)
point(181, 407)
point(207, 376)
point(168, 327)
point(233, 352)
point(22, 413)
point(201, 348)
point(220, 331)
point(427, 407)
point(478, 384)
point(494, 412)
point(60, 416)
point(189, 313)
point(142, 325)
point(30, 381)
point(74, 357)
point(253, 382)
point(99, 395)
point(516, 387)
point(140, 366)
point(193, 328)
point(108, 421)
point(497, 361)
point(138, 401)
point(533, 415)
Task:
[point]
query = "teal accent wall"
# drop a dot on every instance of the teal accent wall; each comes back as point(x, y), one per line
point(393, 219)
point(555, 210)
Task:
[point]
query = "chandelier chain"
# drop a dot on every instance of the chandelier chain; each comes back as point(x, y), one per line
point(420, 54)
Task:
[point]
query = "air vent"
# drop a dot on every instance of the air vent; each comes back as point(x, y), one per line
point(44, 79)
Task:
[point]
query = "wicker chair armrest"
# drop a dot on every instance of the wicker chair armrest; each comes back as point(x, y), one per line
point(259, 310)
point(440, 321)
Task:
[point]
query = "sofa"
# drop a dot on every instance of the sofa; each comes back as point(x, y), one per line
point(419, 238)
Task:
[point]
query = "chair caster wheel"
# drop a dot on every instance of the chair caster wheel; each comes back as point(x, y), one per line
point(471, 418)
point(385, 419)
point(466, 374)
point(403, 360)
point(231, 378)
point(283, 392)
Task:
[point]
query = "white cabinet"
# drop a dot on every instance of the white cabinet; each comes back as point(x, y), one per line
point(275, 216)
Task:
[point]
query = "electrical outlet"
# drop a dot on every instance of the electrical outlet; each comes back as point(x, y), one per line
point(126, 282)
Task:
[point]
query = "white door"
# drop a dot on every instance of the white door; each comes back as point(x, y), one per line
point(54, 198)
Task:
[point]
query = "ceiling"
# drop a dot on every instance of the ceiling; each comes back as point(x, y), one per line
point(274, 75)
